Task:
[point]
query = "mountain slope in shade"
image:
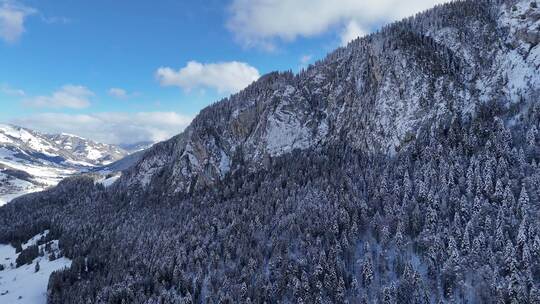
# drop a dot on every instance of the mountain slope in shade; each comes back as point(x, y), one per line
point(136, 147)
point(121, 164)
point(31, 161)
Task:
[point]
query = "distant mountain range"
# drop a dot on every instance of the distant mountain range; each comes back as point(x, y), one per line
point(136, 147)
point(32, 161)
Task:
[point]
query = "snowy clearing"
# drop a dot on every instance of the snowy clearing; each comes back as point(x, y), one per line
point(23, 285)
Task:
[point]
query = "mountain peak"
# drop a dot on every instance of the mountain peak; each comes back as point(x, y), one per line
point(377, 93)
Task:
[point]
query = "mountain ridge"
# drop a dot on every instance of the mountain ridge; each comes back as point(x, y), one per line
point(283, 111)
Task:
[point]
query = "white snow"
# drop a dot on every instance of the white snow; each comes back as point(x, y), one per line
point(19, 148)
point(522, 64)
point(285, 133)
point(11, 188)
point(71, 147)
point(4, 138)
point(5, 153)
point(189, 153)
point(93, 154)
point(147, 169)
point(44, 175)
point(107, 182)
point(289, 91)
point(79, 163)
point(224, 164)
point(72, 135)
point(23, 285)
point(33, 141)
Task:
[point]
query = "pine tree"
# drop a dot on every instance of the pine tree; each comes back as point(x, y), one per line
point(355, 288)
point(388, 295)
point(523, 202)
point(367, 272)
point(522, 233)
point(536, 246)
point(526, 256)
point(499, 191)
point(340, 292)
point(531, 136)
point(499, 238)
point(509, 257)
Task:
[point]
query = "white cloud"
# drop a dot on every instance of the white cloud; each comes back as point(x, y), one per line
point(9, 90)
point(118, 93)
point(351, 32)
point(110, 127)
point(12, 18)
point(263, 22)
point(225, 77)
point(305, 60)
point(69, 96)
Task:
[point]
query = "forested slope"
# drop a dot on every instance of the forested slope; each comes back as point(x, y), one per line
point(406, 171)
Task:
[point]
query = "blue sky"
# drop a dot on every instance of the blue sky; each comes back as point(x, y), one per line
point(125, 71)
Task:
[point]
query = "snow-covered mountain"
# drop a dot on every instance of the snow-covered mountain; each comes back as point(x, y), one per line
point(137, 147)
point(31, 161)
point(402, 168)
point(377, 93)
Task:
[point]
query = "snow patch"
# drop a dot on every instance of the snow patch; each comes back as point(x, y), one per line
point(23, 285)
point(285, 133)
point(11, 188)
point(224, 164)
point(107, 182)
point(93, 154)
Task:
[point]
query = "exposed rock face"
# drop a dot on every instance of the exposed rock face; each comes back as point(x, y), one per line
point(376, 93)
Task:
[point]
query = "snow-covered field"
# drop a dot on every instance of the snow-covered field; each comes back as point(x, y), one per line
point(6, 198)
point(23, 285)
point(11, 187)
point(43, 176)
